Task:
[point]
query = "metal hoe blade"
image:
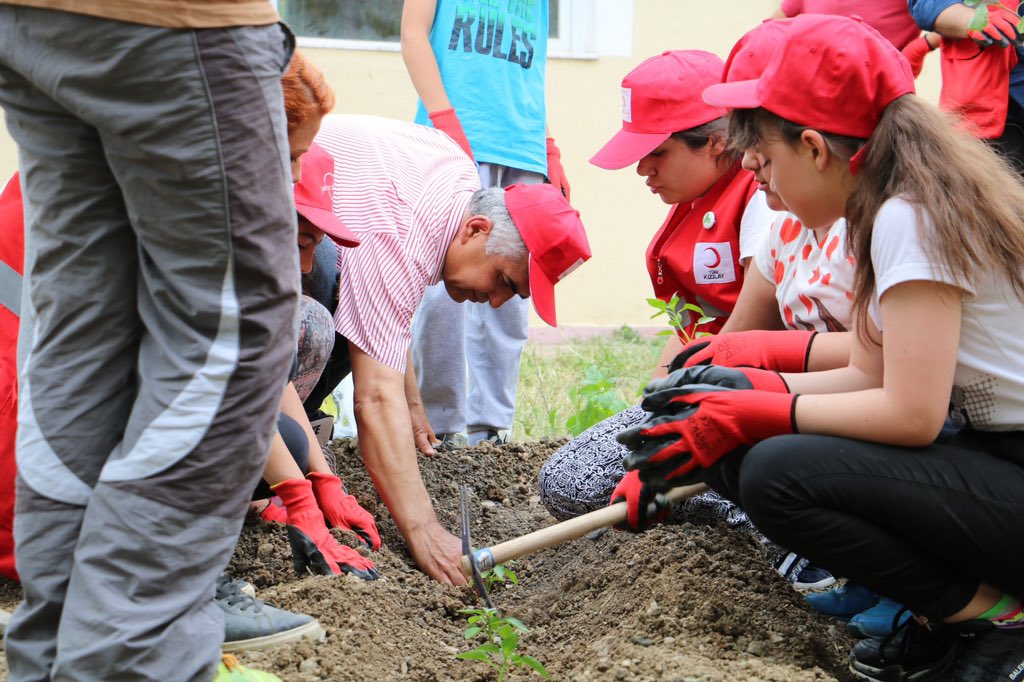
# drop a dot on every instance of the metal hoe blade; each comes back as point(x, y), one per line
point(467, 548)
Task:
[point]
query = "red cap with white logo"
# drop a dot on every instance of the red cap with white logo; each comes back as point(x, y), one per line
point(314, 195)
point(661, 97)
point(833, 73)
point(553, 234)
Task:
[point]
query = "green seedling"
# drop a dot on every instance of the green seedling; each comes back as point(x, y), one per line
point(500, 575)
point(593, 401)
point(502, 639)
point(981, 12)
point(679, 316)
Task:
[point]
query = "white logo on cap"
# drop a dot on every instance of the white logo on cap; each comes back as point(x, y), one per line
point(327, 183)
point(569, 270)
point(627, 105)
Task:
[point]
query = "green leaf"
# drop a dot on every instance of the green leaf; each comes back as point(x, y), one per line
point(516, 623)
point(703, 334)
point(972, 3)
point(1020, 25)
point(509, 644)
point(522, 659)
point(666, 332)
point(472, 632)
point(705, 320)
point(979, 20)
point(474, 655)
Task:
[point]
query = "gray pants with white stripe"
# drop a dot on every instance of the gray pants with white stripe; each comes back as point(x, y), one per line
point(161, 284)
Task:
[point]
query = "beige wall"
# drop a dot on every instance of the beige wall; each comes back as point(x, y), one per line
point(583, 99)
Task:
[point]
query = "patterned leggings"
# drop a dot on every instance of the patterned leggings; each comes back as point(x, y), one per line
point(316, 341)
point(582, 474)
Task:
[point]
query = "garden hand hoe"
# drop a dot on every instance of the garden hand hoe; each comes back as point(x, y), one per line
point(487, 558)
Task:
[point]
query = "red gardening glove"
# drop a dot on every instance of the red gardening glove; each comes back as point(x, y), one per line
point(314, 549)
point(342, 510)
point(556, 174)
point(644, 507)
point(274, 512)
point(1000, 29)
point(915, 52)
point(446, 121)
point(686, 447)
point(660, 394)
point(782, 351)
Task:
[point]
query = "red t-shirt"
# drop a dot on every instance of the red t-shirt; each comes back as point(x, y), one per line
point(12, 256)
point(891, 18)
point(696, 253)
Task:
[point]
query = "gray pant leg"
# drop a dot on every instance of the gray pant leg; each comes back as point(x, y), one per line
point(439, 358)
point(495, 337)
point(162, 306)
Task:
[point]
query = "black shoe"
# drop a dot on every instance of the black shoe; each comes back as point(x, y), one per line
point(989, 653)
point(913, 652)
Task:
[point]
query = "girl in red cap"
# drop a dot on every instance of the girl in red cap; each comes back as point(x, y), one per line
point(848, 466)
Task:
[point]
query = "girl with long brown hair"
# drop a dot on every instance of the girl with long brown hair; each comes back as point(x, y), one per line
point(847, 466)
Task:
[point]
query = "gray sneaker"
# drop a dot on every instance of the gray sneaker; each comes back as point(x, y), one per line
point(250, 624)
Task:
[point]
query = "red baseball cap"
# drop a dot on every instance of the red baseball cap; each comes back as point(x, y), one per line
point(661, 97)
point(833, 73)
point(750, 55)
point(314, 195)
point(552, 231)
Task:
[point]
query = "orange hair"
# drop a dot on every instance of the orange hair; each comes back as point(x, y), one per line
point(306, 93)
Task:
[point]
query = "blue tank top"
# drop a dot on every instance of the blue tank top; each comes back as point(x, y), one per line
point(492, 55)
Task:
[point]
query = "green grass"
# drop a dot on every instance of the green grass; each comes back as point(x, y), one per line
point(549, 372)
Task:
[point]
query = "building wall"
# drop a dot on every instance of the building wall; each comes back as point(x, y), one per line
point(619, 212)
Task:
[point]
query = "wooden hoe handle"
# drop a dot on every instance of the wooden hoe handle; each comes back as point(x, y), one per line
point(489, 557)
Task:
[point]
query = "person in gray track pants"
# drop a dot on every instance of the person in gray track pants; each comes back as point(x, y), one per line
point(161, 287)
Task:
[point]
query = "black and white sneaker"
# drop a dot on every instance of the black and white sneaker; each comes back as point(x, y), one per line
point(912, 652)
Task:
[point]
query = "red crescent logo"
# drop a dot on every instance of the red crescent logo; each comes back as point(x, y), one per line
point(716, 257)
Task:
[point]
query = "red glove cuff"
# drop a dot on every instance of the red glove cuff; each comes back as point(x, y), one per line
point(448, 122)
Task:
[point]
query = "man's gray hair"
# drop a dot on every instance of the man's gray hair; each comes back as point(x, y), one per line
point(504, 239)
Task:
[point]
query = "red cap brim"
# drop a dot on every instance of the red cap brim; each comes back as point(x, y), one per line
point(737, 95)
point(542, 293)
point(329, 223)
point(626, 148)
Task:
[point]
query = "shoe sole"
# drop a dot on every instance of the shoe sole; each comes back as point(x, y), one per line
point(310, 630)
point(825, 582)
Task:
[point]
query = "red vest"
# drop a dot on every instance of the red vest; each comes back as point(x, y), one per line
point(12, 258)
point(696, 253)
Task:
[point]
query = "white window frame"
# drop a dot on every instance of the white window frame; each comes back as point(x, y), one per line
point(580, 36)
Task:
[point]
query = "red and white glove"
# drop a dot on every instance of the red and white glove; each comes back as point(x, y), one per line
point(1000, 29)
point(556, 174)
point(644, 506)
point(445, 120)
point(672, 449)
point(314, 549)
point(782, 351)
point(343, 510)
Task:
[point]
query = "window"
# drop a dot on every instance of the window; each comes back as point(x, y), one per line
point(359, 24)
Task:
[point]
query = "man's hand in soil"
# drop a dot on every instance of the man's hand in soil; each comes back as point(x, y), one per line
point(438, 553)
point(342, 510)
point(314, 549)
point(699, 425)
point(644, 507)
point(422, 432)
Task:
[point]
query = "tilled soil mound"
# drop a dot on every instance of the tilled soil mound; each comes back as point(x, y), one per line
point(677, 603)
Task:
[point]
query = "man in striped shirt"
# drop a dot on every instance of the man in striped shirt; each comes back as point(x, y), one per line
point(413, 197)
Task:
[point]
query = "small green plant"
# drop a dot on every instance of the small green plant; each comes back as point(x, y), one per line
point(593, 401)
point(679, 317)
point(500, 575)
point(502, 639)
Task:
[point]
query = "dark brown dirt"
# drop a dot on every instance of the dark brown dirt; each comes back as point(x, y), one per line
point(678, 603)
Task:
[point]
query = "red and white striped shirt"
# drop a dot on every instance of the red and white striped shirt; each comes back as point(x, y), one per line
point(403, 189)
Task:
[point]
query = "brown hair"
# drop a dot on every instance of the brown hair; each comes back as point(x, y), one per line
point(716, 129)
point(974, 198)
point(306, 93)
